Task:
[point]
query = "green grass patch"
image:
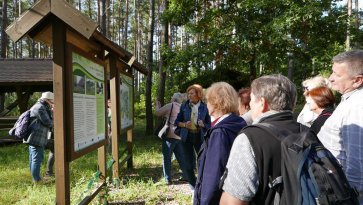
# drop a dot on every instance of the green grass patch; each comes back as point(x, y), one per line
point(138, 184)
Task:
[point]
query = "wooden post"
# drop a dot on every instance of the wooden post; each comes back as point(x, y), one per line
point(102, 162)
point(129, 149)
point(60, 113)
point(115, 119)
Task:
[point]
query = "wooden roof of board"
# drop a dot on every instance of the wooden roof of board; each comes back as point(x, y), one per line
point(26, 75)
point(36, 22)
point(26, 70)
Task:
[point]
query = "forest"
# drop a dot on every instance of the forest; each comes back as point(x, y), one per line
point(182, 42)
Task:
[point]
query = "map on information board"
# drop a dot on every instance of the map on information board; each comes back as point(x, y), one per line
point(126, 101)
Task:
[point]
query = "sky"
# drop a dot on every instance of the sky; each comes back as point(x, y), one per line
point(360, 3)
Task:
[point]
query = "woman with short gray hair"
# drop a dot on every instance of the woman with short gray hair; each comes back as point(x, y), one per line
point(172, 143)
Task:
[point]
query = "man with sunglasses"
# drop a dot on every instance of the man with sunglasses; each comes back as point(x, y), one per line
point(342, 133)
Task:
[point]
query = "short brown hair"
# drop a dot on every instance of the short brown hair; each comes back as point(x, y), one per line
point(244, 91)
point(198, 89)
point(322, 96)
point(223, 97)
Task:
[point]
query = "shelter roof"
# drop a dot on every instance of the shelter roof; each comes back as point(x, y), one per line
point(36, 22)
point(35, 74)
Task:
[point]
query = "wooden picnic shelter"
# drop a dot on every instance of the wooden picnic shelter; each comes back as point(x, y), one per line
point(24, 77)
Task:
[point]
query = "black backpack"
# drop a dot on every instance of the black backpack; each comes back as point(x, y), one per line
point(310, 174)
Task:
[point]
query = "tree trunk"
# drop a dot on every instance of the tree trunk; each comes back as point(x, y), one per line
point(253, 69)
point(108, 14)
point(136, 30)
point(102, 16)
point(347, 42)
point(4, 36)
point(162, 64)
point(149, 113)
point(125, 24)
point(357, 20)
point(4, 43)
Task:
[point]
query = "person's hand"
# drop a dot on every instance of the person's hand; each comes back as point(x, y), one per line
point(200, 123)
point(188, 124)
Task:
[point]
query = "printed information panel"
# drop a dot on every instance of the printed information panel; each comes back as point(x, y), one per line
point(88, 102)
point(126, 99)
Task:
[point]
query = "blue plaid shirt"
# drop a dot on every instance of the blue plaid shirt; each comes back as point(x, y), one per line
point(342, 134)
point(41, 123)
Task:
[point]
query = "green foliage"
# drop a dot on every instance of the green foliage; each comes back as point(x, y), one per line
point(179, 12)
point(257, 37)
point(139, 107)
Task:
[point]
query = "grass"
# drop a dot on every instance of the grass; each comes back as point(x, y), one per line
point(137, 184)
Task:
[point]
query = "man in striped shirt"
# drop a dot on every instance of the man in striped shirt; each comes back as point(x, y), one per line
point(342, 133)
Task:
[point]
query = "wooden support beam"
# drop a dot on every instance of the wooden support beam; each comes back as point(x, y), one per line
point(115, 107)
point(60, 113)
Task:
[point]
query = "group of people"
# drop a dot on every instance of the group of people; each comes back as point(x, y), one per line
point(234, 160)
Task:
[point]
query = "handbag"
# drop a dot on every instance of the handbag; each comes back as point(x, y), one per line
point(162, 133)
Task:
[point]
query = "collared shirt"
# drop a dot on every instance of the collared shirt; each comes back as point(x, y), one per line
point(342, 134)
point(242, 180)
point(195, 108)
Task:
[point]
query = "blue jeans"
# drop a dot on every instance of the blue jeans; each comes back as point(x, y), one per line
point(190, 149)
point(169, 146)
point(36, 156)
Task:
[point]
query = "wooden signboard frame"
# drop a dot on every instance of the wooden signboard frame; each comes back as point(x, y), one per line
point(117, 68)
point(65, 29)
point(124, 76)
point(73, 153)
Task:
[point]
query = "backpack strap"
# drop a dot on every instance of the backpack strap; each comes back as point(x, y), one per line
point(273, 130)
point(171, 110)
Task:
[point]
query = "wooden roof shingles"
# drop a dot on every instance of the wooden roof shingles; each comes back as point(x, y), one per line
point(26, 71)
point(28, 74)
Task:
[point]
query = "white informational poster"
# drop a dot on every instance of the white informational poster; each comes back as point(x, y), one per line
point(126, 100)
point(88, 102)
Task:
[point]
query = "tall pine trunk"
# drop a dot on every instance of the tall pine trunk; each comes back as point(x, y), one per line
point(125, 30)
point(4, 36)
point(347, 42)
point(162, 64)
point(4, 44)
point(102, 16)
point(149, 113)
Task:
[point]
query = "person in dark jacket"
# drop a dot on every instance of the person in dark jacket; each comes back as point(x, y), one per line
point(222, 103)
point(321, 101)
point(255, 156)
point(41, 117)
point(192, 123)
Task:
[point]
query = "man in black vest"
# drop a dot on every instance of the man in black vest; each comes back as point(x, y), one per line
point(255, 155)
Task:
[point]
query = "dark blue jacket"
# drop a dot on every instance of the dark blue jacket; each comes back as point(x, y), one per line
point(213, 157)
point(184, 116)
